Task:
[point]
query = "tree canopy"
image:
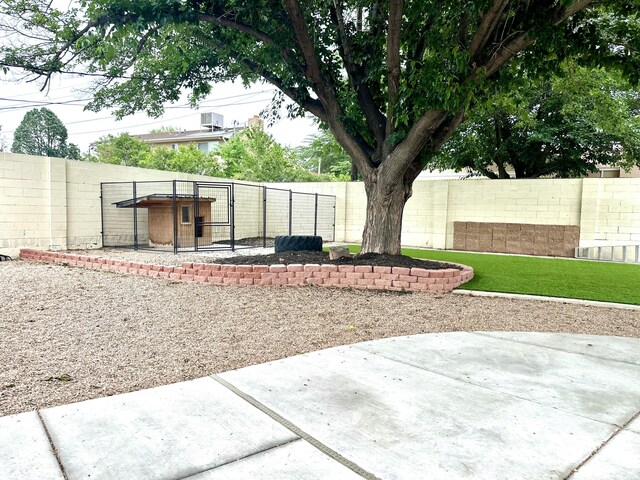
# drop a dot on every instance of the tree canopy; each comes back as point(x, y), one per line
point(392, 80)
point(42, 133)
point(563, 126)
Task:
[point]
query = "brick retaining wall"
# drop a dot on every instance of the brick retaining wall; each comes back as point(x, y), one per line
point(329, 275)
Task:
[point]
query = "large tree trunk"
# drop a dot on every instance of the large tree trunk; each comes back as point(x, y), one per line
point(385, 204)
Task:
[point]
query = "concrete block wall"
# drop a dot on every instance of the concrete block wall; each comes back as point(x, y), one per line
point(277, 212)
point(610, 211)
point(425, 219)
point(543, 201)
point(248, 204)
point(436, 204)
point(33, 206)
point(302, 213)
point(54, 204)
point(607, 210)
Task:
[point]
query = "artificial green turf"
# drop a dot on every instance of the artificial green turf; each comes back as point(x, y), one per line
point(554, 277)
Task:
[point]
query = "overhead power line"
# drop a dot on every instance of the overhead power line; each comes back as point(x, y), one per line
point(169, 107)
point(161, 121)
point(44, 103)
point(38, 103)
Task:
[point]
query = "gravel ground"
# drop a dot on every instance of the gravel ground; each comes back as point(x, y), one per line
point(159, 257)
point(70, 334)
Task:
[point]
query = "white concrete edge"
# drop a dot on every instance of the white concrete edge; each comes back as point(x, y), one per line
point(590, 303)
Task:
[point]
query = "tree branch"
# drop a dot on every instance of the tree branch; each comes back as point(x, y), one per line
point(463, 31)
point(393, 68)
point(238, 26)
point(442, 133)
point(324, 90)
point(574, 8)
point(502, 171)
point(487, 26)
point(375, 119)
point(488, 173)
point(54, 65)
point(528, 38)
point(410, 148)
point(298, 95)
point(252, 32)
point(507, 52)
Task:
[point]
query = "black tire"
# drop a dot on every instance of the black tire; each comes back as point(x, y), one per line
point(4, 258)
point(297, 243)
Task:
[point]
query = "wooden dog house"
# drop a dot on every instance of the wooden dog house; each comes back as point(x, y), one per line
point(191, 224)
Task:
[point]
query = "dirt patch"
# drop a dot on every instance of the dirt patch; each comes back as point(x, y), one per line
point(305, 257)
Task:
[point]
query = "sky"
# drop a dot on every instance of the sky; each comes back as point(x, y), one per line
point(67, 95)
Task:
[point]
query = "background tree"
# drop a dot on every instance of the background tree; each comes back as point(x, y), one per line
point(42, 133)
point(130, 151)
point(392, 80)
point(321, 153)
point(254, 155)
point(186, 159)
point(121, 149)
point(165, 129)
point(563, 126)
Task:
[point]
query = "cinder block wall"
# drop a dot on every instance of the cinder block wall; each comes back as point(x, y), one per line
point(607, 210)
point(538, 202)
point(55, 204)
point(345, 193)
point(33, 205)
point(610, 211)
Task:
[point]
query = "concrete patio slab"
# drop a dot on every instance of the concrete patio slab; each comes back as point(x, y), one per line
point(623, 349)
point(399, 421)
point(634, 426)
point(25, 451)
point(619, 460)
point(443, 406)
point(597, 388)
point(294, 461)
point(165, 432)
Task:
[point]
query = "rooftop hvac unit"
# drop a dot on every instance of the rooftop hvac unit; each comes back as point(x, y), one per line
point(212, 120)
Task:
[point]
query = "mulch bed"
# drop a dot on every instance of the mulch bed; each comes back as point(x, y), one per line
point(305, 257)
